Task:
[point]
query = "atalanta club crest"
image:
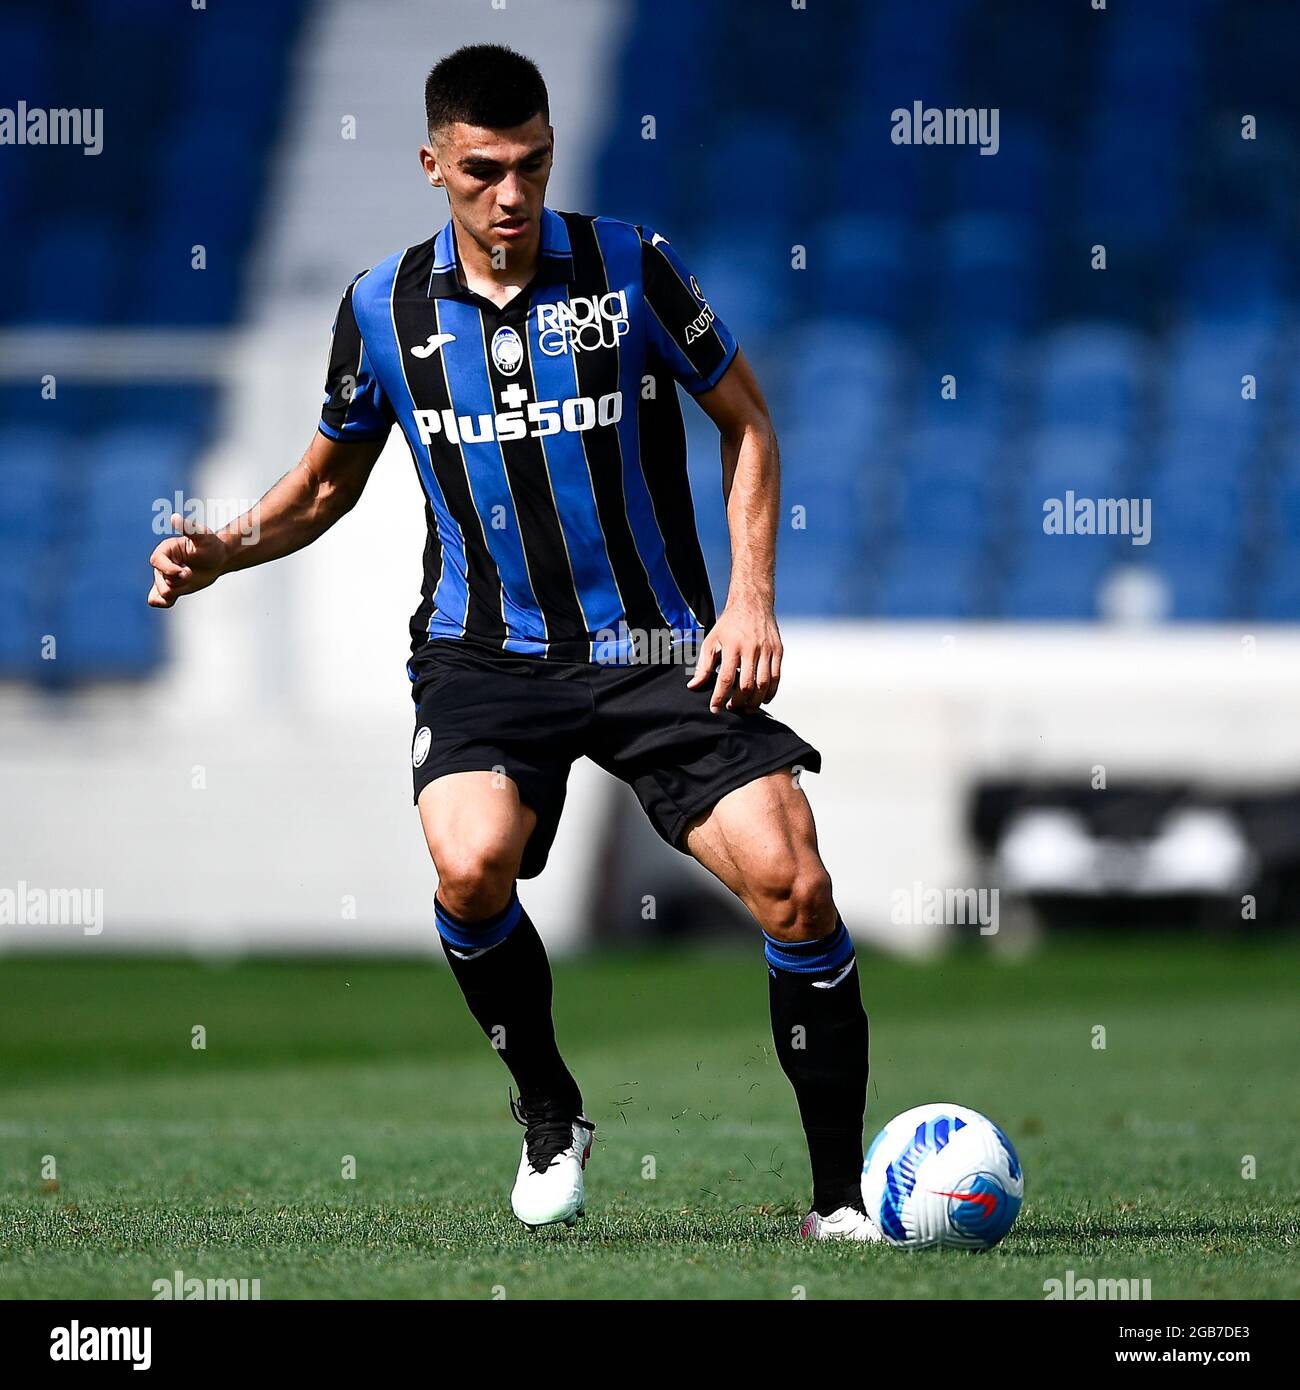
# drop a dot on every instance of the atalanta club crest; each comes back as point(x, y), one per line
point(507, 351)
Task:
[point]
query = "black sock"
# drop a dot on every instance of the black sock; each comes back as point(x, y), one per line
point(820, 1030)
point(501, 967)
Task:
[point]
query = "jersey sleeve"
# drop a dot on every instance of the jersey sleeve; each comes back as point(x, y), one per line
point(684, 332)
point(355, 404)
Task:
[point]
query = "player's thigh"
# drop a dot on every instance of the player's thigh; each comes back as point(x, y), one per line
point(475, 825)
point(760, 840)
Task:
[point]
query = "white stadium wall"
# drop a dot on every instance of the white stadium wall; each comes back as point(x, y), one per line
point(270, 810)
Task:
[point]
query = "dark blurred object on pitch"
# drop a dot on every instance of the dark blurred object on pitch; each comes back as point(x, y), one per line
point(1153, 855)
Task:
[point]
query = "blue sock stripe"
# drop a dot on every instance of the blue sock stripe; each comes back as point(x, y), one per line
point(475, 936)
point(810, 957)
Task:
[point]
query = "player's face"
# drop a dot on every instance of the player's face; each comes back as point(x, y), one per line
point(495, 181)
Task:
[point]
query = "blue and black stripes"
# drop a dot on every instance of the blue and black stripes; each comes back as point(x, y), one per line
point(821, 957)
point(355, 407)
point(480, 935)
point(546, 432)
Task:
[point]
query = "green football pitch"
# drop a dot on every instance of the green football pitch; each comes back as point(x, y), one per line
point(229, 1161)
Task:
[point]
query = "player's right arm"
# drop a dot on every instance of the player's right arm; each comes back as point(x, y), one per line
point(323, 486)
point(311, 497)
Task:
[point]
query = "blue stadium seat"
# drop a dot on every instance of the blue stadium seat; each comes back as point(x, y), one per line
point(928, 580)
point(31, 485)
point(29, 586)
point(1278, 597)
point(1054, 575)
point(1203, 587)
point(988, 270)
point(1206, 364)
point(750, 283)
point(105, 628)
point(1235, 274)
point(1012, 183)
point(956, 449)
point(834, 504)
point(817, 577)
point(862, 268)
point(1092, 374)
point(942, 507)
point(1091, 462)
point(1285, 510)
point(44, 292)
point(842, 378)
point(1199, 515)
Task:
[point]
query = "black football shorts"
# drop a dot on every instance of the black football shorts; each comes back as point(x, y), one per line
point(532, 718)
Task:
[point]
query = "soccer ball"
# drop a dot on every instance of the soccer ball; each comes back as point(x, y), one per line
point(942, 1175)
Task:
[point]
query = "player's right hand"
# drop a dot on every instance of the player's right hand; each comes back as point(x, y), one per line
point(185, 563)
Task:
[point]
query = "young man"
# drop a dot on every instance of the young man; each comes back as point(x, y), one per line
point(530, 358)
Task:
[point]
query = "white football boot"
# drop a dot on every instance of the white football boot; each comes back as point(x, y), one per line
point(548, 1186)
point(844, 1223)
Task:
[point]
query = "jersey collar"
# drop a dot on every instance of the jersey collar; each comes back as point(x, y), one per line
point(555, 262)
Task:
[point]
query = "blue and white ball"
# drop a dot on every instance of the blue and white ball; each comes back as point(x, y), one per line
point(942, 1175)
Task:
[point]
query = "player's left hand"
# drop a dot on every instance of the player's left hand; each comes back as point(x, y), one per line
point(745, 645)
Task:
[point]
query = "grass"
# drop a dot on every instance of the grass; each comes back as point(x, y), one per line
point(228, 1162)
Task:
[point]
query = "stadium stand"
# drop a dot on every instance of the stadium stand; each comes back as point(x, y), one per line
point(107, 241)
point(859, 274)
point(923, 262)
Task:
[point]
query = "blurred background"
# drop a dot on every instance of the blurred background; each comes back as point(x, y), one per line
point(1103, 732)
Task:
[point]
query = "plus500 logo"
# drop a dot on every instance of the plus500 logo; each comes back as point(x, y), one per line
point(534, 421)
point(580, 325)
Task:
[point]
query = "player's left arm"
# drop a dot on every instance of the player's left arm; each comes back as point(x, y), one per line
point(745, 643)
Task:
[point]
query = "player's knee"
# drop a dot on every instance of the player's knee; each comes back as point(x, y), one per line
point(797, 904)
point(476, 876)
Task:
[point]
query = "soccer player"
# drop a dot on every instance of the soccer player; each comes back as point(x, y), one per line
point(531, 359)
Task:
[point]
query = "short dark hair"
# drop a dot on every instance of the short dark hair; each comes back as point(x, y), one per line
point(485, 84)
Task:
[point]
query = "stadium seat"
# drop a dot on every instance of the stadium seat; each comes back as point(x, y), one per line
point(863, 268)
point(925, 580)
point(31, 485)
point(988, 271)
point(1092, 374)
point(106, 631)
